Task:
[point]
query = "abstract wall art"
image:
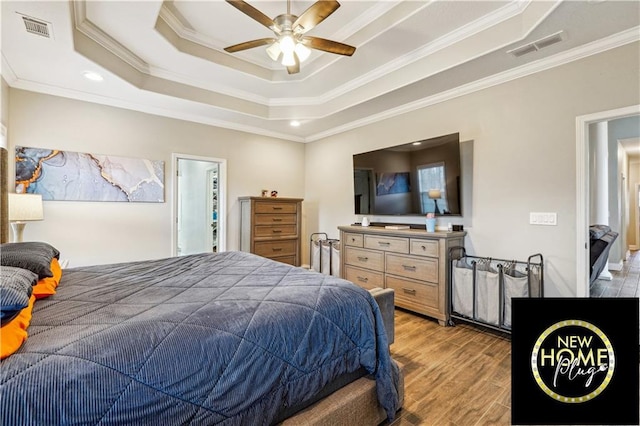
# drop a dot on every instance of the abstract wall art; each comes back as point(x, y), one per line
point(392, 183)
point(76, 176)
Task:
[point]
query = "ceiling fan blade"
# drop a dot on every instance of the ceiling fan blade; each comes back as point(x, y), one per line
point(328, 46)
point(294, 69)
point(316, 13)
point(249, 45)
point(252, 12)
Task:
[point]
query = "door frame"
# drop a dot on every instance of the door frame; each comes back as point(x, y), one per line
point(222, 199)
point(582, 189)
point(637, 212)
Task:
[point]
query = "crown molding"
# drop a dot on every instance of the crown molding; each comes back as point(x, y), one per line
point(488, 21)
point(153, 110)
point(617, 40)
point(89, 29)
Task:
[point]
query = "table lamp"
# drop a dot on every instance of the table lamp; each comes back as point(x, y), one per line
point(22, 209)
point(434, 194)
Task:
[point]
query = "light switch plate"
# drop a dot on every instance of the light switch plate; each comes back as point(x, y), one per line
point(543, 218)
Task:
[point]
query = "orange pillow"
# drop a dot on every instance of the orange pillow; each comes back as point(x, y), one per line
point(56, 270)
point(14, 333)
point(47, 286)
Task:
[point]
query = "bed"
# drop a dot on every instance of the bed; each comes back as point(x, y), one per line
point(219, 338)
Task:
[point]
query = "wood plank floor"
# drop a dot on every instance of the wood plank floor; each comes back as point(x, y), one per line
point(453, 375)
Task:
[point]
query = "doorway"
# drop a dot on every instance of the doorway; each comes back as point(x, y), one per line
point(199, 205)
point(582, 190)
point(362, 190)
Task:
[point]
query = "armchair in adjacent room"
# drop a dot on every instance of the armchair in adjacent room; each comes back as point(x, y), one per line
point(601, 239)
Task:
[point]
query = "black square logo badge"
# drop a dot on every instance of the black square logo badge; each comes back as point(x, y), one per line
point(575, 361)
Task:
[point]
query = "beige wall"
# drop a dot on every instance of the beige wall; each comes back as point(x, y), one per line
point(4, 109)
point(523, 135)
point(524, 158)
point(98, 232)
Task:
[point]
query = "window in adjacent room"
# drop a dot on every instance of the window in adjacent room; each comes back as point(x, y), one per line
point(431, 178)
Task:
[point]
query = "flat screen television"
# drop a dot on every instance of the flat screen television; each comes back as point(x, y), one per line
point(410, 179)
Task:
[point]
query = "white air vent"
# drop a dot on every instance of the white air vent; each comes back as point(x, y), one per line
point(38, 27)
point(538, 44)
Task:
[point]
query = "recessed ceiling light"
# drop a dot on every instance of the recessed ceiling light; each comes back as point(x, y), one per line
point(417, 143)
point(295, 123)
point(93, 76)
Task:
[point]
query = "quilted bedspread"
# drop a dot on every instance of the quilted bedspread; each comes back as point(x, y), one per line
point(228, 338)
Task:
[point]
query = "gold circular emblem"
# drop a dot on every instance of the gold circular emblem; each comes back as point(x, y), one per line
point(538, 354)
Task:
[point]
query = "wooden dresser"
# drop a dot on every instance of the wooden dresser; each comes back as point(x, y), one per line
point(411, 261)
point(271, 227)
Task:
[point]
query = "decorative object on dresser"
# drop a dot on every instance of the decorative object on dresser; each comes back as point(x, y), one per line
point(271, 227)
point(413, 262)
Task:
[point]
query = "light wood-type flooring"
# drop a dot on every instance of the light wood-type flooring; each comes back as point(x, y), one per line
point(457, 375)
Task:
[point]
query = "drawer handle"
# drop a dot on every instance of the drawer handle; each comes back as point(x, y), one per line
point(424, 247)
point(409, 267)
point(353, 240)
point(363, 279)
point(384, 243)
point(276, 231)
point(363, 258)
point(277, 208)
point(276, 249)
point(409, 291)
point(277, 219)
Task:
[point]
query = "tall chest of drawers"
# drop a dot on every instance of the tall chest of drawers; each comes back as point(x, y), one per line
point(271, 227)
point(411, 261)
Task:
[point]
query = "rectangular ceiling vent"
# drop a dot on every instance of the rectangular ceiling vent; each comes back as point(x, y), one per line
point(537, 45)
point(38, 27)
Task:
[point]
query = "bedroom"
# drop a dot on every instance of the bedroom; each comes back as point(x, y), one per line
point(524, 159)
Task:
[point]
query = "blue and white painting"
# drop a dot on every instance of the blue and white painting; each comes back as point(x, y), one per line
point(392, 183)
point(76, 176)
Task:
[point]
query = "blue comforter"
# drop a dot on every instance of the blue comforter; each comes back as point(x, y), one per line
point(228, 338)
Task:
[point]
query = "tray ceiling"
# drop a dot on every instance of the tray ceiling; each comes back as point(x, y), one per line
point(167, 58)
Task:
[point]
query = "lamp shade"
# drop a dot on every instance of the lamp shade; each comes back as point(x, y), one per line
point(434, 193)
point(25, 207)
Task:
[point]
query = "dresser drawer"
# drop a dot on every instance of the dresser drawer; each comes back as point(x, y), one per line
point(425, 269)
point(276, 248)
point(354, 240)
point(275, 207)
point(394, 244)
point(364, 258)
point(364, 278)
point(275, 219)
point(424, 247)
point(290, 260)
point(411, 294)
point(276, 231)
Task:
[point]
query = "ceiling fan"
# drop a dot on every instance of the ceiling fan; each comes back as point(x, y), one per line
point(290, 45)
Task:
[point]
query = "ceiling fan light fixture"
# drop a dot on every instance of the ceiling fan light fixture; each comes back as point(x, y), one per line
point(274, 51)
point(291, 45)
point(287, 44)
point(302, 51)
point(288, 60)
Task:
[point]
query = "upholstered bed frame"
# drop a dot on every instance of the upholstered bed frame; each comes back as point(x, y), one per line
point(355, 403)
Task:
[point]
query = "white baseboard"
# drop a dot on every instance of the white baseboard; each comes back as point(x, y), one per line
point(605, 275)
point(617, 266)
